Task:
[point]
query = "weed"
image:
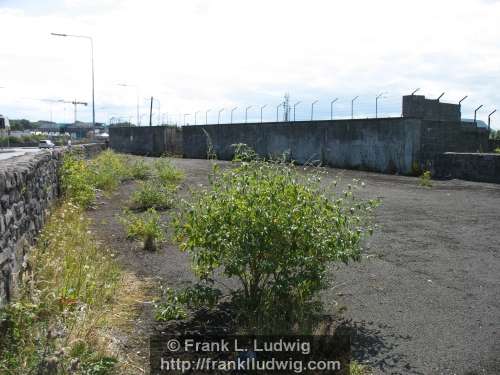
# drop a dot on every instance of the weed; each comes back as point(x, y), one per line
point(108, 170)
point(169, 307)
point(76, 180)
point(147, 227)
point(425, 179)
point(497, 150)
point(200, 295)
point(153, 194)
point(72, 282)
point(139, 169)
point(276, 232)
point(167, 173)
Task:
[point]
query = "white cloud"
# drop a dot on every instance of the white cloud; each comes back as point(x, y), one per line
point(196, 54)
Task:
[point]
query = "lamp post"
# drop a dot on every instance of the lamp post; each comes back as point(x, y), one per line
point(294, 106)
point(312, 109)
point(376, 103)
point(137, 96)
point(206, 116)
point(261, 109)
point(352, 106)
point(232, 110)
point(195, 117)
point(489, 118)
point(92, 57)
point(218, 118)
point(475, 113)
point(331, 107)
point(246, 113)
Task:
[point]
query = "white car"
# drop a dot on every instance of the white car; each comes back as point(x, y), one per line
point(46, 143)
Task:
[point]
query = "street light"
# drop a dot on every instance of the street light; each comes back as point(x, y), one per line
point(246, 112)
point(218, 118)
point(92, 56)
point(195, 115)
point(137, 93)
point(376, 103)
point(206, 116)
point(489, 118)
point(352, 106)
point(475, 113)
point(278, 111)
point(312, 109)
point(331, 107)
point(295, 105)
point(232, 110)
point(261, 109)
point(185, 115)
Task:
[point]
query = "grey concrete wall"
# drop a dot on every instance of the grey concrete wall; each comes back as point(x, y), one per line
point(154, 140)
point(467, 166)
point(417, 106)
point(29, 185)
point(383, 145)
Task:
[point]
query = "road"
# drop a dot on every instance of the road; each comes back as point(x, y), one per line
point(7, 153)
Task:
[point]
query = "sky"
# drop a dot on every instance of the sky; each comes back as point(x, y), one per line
point(196, 55)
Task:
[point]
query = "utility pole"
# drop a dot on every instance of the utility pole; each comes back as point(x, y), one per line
point(151, 113)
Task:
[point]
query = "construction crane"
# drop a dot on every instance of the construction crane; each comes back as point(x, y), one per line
point(74, 102)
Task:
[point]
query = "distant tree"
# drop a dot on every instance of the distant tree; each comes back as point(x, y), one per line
point(21, 125)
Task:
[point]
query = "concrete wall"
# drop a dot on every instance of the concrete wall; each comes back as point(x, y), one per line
point(384, 145)
point(467, 166)
point(417, 106)
point(29, 185)
point(146, 140)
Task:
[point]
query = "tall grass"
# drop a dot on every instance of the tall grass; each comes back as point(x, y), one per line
point(55, 324)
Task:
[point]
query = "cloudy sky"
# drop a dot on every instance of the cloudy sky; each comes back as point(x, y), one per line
point(194, 55)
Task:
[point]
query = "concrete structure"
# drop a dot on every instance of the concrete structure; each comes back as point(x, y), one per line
point(466, 166)
point(29, 185)
point(404, 145)
point(153, 141)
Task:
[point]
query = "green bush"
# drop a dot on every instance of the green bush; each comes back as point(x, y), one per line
point(139, 169)
point(169, 307)
point(166, 172)
point(108, 170)
point(274, 230)
point(76, 180)
point(147, 227)
point(425, 179)
point(497, 150)
point(153, 194)
point(200, 295)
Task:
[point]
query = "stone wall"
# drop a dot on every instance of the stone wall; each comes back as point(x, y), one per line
point(29, 185)
point(468, 166)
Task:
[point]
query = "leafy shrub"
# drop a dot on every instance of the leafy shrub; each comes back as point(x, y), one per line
point(147, 227)
point(425, 179)
point(139, 169)
point(274, 230)
point(153, 194)
point(166, 172)
point(199, 295)
point(108, 170)
point(76, 180)
point(497, 150)
point(169, 307)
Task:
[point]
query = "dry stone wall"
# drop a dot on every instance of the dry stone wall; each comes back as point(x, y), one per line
point(29, 185)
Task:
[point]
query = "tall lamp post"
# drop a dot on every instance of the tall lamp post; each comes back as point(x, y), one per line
point(312, 109)
point(218, 118)
point(475, 113)
point(206, 116)
point(294, 106)
point(137, 94)
point(195, 117)
point(246, 113)
point(352, 106)
point(232, 110)
point(261, 109)
point(331, 107)
point(376, 103)
point(489, 118)
point(92, 57)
